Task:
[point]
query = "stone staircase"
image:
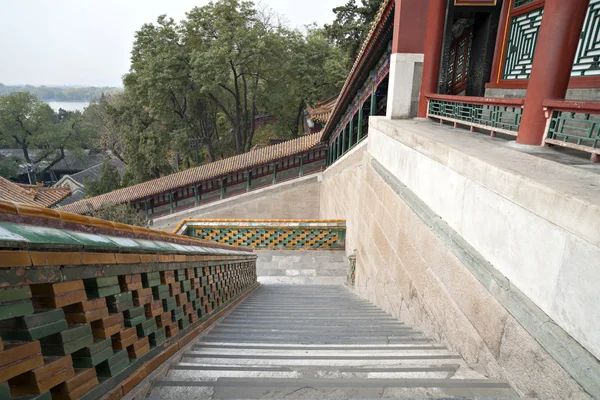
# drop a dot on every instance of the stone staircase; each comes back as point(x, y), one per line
point(318, 342)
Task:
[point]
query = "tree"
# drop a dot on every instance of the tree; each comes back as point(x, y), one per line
point(352, 24)
point(122, 213)
point(98, 119)
point(27, 123)
point(109, 180)
point(9, 167)
point(319, 73)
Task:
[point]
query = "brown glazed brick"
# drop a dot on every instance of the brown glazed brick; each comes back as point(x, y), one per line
point(106, 327)
point(98, 258)
point(167, 277)
point(163, 320)
point(74, 388)
point(19, 367)
point(189, 273)
point(43, 386)
point(86, 306)
point(54, 289)
point(139, 348)
point(128, 258)
point(188, 308)
point(109, 321)
point(142, 292)
point(133, 380)
point(153, 309)
point(51, 367)
point(149, 258)
point(81, 377)
point(129, 283)
point(51, 259)
point(193, 317)
point(124, 338)
point(15, 259)
point(172, 329)
point(15, 352)
point(174, 289)
point(141, 301)
point(88, 317)
point(59, 301)
point(181, 299)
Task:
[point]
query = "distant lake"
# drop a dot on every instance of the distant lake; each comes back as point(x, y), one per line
point(69, 105)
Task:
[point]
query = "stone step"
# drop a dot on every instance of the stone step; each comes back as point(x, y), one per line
point(259, 388)
point(319, 342)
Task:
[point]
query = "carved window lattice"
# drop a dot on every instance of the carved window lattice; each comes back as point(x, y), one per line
point(459, 58)
point(524, 31)
point(587, 59)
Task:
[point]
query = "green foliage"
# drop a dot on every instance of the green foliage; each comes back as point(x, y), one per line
point(352, 24)
point(109, 180)
point(48, 93)
point(122, 213)
point(27, 123)
point(9, 167)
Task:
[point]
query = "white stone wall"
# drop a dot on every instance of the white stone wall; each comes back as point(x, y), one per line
point(403, 267)
point(557, 269)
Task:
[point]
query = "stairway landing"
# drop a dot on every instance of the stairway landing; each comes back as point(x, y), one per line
point(300, 342)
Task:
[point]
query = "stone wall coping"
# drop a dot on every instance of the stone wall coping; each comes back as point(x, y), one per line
point(567, 196)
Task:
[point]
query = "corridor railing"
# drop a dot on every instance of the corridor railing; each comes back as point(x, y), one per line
point(574, 124)
point(496, 115)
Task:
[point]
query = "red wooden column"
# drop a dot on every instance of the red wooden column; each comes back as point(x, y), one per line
point(433, 51)
point(552, 63)
point(409, 26)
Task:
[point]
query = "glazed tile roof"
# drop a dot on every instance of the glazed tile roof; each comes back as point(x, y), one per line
point(373, 33)
point(194, 175)
point(36, 195)
point(322, 110)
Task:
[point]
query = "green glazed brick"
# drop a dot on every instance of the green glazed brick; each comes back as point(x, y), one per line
point(103, 369)
point(73, 333)
point(157, 341)
point(191, 296)
point(186, 286)
point(15, 293)
point(35, 333)
point(134, 321)
point(120, 307)
point(160, 333)
point(119, 298)
point(196, 304)
point(134, 312)
point(116, 358)
point(15, 309)
point(160, 292)
point(169, 304)
point(146, 328)
point(4, 391)
point(67, 348)
point(43, 396)
point(94, 360)
point(184, 323)
point(152, 283)
point(103, 291)
point(97, 347)
point(150, 276)
point(42, 317)
point(101, 282)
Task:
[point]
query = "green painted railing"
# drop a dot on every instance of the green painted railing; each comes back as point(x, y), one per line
point(574, 124)
point(491, 114)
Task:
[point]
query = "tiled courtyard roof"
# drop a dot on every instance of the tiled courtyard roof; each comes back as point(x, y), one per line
point(194, 175)
point(36, 195)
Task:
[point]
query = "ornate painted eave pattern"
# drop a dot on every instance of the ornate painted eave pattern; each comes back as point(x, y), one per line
point(379, 26)
point(322, 110)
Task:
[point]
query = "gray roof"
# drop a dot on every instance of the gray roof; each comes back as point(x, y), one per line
point(94, 173)
point(71, 162)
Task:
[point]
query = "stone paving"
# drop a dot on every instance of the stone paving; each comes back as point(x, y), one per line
point(319, 341)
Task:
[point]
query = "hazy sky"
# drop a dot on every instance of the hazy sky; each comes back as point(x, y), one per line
point(87, 42)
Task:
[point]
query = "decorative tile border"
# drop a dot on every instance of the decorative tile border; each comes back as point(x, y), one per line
point(268, 234)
